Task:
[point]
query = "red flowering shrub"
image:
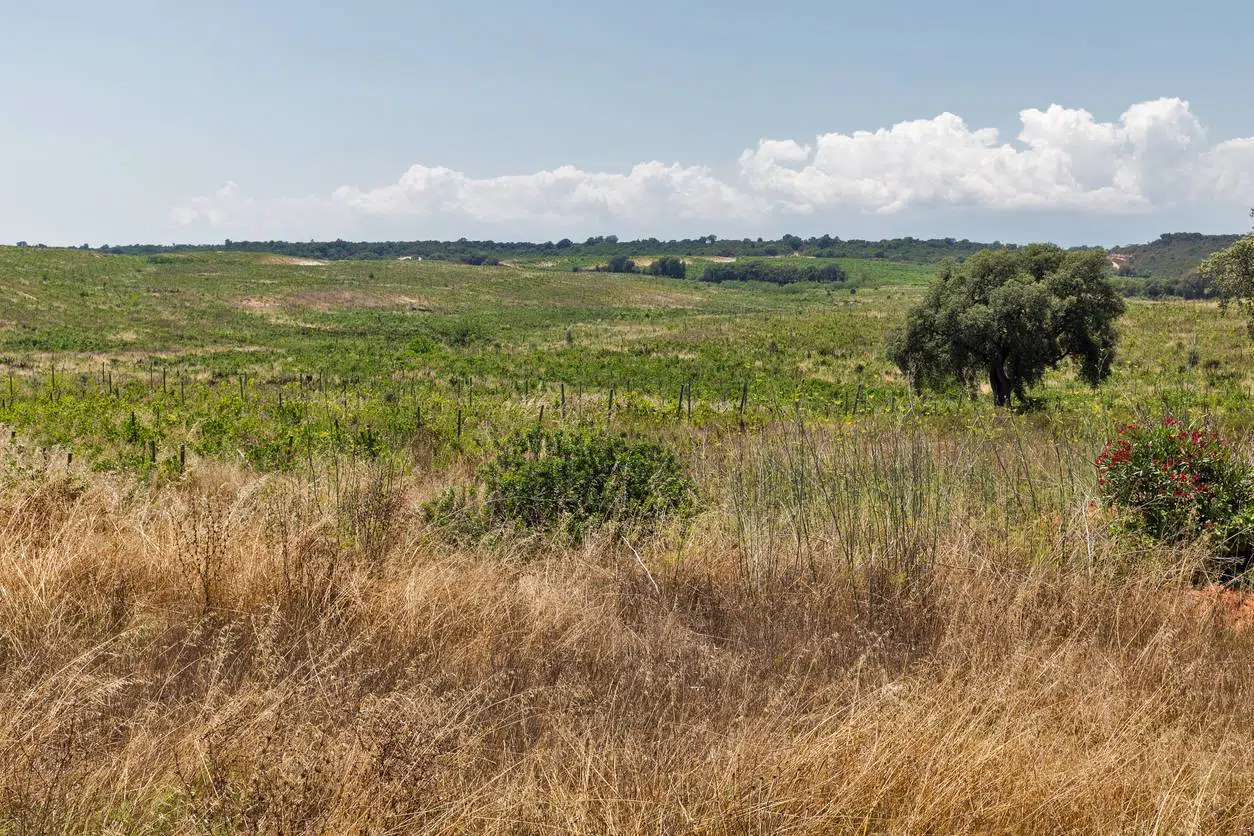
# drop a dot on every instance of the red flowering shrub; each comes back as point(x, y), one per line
point(1178, 482)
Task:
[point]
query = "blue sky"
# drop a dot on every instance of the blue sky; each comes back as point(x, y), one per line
point(135, 121)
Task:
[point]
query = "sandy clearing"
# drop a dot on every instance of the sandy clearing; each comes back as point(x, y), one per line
point(416, 303)
point(663, 299)
point(294, 261)
point(327, 300)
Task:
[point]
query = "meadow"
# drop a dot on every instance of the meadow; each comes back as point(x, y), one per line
point(222, 608)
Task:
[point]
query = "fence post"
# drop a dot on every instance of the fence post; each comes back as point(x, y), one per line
point(744, 399)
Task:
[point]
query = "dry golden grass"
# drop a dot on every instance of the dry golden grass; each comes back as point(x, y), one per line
point(894, 633)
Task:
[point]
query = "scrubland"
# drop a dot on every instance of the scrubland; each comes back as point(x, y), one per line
point(888, 613)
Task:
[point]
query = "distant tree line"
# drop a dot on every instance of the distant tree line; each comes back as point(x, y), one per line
point(773, 272)
point(825, 246)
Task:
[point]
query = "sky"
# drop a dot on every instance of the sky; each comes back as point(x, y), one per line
point(1078, 122)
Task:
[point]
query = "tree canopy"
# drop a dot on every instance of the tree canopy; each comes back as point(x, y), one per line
point(619, 264)
point(1008, 316)
point(1233, 272)
point(668, 265)
point(774, 272)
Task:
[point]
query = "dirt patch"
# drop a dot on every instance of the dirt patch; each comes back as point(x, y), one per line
point(718, 259)
point(293, 260)
point(415, 303)
point(662, 299)
point(1232, 608)
point(324, 300)
point(255, 303)
point(285, 321)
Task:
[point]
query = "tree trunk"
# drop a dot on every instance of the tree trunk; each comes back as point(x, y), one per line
point(999, 383)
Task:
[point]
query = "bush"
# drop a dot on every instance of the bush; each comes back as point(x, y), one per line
point(620, 264)
point(1176, 483)
point(670, 266)
point(573, 481)
point(764, 271)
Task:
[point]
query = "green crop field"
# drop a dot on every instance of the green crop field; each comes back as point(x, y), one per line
point(133, 362)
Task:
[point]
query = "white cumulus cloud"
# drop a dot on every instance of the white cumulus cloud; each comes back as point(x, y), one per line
point(649, 191)
point(1063, 159)
point(1156, 155)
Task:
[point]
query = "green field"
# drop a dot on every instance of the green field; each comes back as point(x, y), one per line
point(136, 362)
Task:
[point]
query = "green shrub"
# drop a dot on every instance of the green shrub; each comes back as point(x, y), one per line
point(573, 481)
point(668, 265)
point(775, 273)
point(1176, 482)
point(619, 264)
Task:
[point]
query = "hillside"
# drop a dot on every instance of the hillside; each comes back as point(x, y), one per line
point(1169, 258)
point(1173, 255)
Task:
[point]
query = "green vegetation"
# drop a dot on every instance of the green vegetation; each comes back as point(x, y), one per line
point(620, 264)
point(1177, 482)
point(1172, 256)
point(140, 363)
point(146, 364)
point(1009, 316)
point(1232, 270)
point(401, 546)
point(1165, 267)
point(575, 480)
point(670, 266)
point(773, 272)
point(597, 248)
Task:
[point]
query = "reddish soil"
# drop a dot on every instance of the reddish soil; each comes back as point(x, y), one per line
point(1234, 608)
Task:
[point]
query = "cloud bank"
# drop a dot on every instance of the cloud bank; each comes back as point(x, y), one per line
point(1156, 156)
